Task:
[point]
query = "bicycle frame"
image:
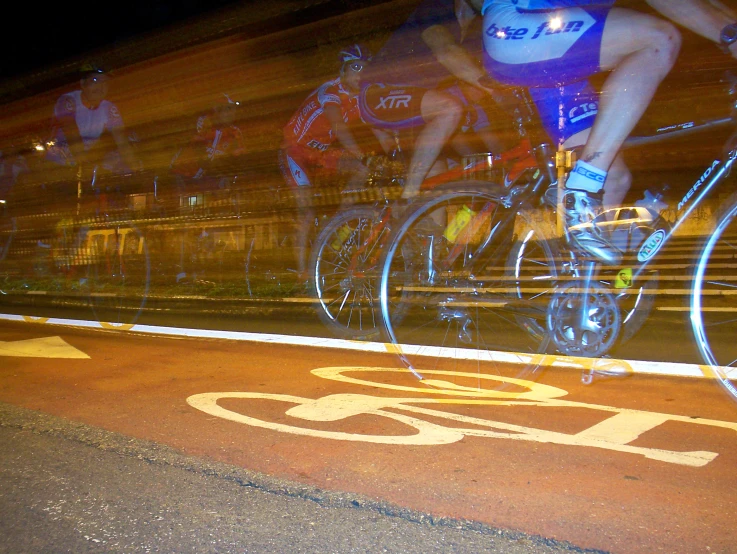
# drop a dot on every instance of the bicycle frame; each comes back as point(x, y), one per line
point(702, 188)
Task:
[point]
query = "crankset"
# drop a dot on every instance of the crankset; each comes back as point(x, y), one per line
point(583, 322)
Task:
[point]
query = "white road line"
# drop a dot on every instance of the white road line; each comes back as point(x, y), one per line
point(636, 366)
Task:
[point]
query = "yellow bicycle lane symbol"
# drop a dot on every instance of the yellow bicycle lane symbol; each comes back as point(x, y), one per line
point(614, 433)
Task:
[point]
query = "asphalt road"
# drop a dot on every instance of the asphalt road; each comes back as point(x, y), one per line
point(67, 487)
point(343, 437)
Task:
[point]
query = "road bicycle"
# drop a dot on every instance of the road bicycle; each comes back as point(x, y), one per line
point(7, 231)
point(345, 257)
point(472, 300)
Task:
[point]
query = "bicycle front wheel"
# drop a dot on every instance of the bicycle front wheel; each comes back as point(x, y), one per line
point(713, 301)
point(449, 299)
point(344, 272)
point(118, 276)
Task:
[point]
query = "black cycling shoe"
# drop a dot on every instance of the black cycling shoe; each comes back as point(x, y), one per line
point(581, 208)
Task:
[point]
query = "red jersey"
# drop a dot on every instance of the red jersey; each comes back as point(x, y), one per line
point(207, 146)
point(310, 126)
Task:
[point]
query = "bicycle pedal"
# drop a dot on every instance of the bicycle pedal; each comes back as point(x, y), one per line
point(606, 369)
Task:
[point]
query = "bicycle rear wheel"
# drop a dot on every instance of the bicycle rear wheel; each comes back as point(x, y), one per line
point(118, 276)
point(450, 302)
point(7, 232)
point(344, 272)
point(714, 301)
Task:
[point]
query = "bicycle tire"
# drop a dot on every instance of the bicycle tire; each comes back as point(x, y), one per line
point(271, 269)
point(713, 311)
point(449, 306)
point(532, 277)
point(344, 273)
point(7, 232)
point(118, 277)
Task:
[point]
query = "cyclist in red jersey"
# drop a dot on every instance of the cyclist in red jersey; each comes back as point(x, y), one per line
point(318, 141)
point(203, 163)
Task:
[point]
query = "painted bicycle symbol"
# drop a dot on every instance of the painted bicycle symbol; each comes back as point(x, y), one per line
point(615, 433)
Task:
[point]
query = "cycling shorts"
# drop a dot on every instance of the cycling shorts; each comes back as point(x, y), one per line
point(552, 53)
point(393, 107)
point(397, 107)
point(567, 110)
point(300, 165)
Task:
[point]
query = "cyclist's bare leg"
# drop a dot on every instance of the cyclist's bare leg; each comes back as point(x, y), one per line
point(442, 114)
point(619, 178)
point(640, 50)
point(306, 219)
point(357, 173)
point(476, 141)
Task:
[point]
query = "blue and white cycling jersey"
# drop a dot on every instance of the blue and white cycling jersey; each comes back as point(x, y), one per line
point(551, 47)
point(538, 5)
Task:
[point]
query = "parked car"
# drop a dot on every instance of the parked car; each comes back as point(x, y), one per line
point(626, 227)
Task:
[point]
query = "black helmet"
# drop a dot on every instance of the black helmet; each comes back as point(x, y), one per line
point(90, 70)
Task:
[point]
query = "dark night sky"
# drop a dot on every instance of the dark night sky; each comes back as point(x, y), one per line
point(60, 30)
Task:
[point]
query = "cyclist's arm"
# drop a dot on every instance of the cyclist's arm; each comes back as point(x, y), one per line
point(68, 126)
point(706, 18)
point(126, 152)
point(452, 56)
point(341, 130)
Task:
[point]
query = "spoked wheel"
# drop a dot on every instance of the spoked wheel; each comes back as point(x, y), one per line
point(447, 299)
point(344, 272)
point(7, 232)
point(118, 276)
point(532, 277)
point(714, 302)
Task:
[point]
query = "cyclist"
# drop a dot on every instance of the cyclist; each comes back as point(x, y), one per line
point(12, 166)
point(553, 46)
point(82, 122)
point(318, 140)
point(404, 87)
point(210, 156)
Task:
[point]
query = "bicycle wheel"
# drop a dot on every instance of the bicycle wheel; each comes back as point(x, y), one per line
point(344, 272)
point(447, 300)
point(532, 274)
point(7, 232)
point(118, 276)
point(713, 301)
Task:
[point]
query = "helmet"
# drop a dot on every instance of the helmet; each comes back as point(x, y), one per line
point(227, 100)
point(354, 52)
point(90, 69)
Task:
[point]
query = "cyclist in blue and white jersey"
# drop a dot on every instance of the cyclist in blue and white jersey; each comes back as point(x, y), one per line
point(553, 46)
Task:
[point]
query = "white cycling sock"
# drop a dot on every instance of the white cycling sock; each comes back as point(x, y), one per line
point(585, 176)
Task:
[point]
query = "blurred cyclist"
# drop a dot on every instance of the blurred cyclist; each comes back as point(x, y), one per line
point(318, 140)
point(13, 165)
point(210, 159)
point(404, 87)
point(555, 45)
point(83, 122)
